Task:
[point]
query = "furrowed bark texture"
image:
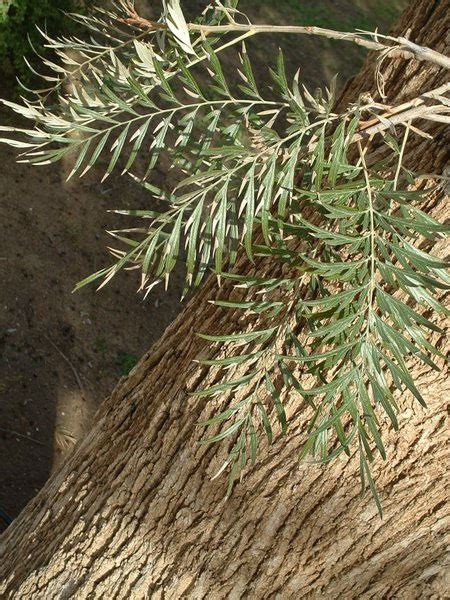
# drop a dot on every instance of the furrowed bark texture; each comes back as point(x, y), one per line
point(133, 513)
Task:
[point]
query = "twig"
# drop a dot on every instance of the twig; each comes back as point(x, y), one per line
point(400, 115)
point(413, 50)
point(402, 152)
point(422, 52)
point(403, 48)
point(22, 436)
point(435, 94)
point(406, 112)
point(72, 368)
point(421, 112)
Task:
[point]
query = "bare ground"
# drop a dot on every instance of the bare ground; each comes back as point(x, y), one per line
point(61, 352)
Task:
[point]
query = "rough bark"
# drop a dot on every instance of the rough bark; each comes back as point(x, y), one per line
point(133, 513)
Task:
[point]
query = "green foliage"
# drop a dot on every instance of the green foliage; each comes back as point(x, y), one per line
point(18, 31)
point(350, 342)
point(126, 362)
point(4, 7)
point(273, 172)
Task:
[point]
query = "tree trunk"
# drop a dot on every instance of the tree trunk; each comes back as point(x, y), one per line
point(134, 514)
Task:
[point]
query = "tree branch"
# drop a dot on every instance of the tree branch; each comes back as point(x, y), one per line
point(408, 111)
point(403, 47)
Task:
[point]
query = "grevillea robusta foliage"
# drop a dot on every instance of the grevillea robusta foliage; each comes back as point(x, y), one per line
point(268, 169)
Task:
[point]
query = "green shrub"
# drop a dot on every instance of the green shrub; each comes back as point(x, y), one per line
point(18, 30)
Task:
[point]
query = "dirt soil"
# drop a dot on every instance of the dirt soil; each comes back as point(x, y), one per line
point(61, 353)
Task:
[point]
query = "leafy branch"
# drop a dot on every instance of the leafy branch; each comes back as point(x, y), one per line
point(275, 173)
point(353, 337)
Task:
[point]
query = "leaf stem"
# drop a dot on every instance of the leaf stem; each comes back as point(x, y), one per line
point(372, 233)
point(402, 152)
